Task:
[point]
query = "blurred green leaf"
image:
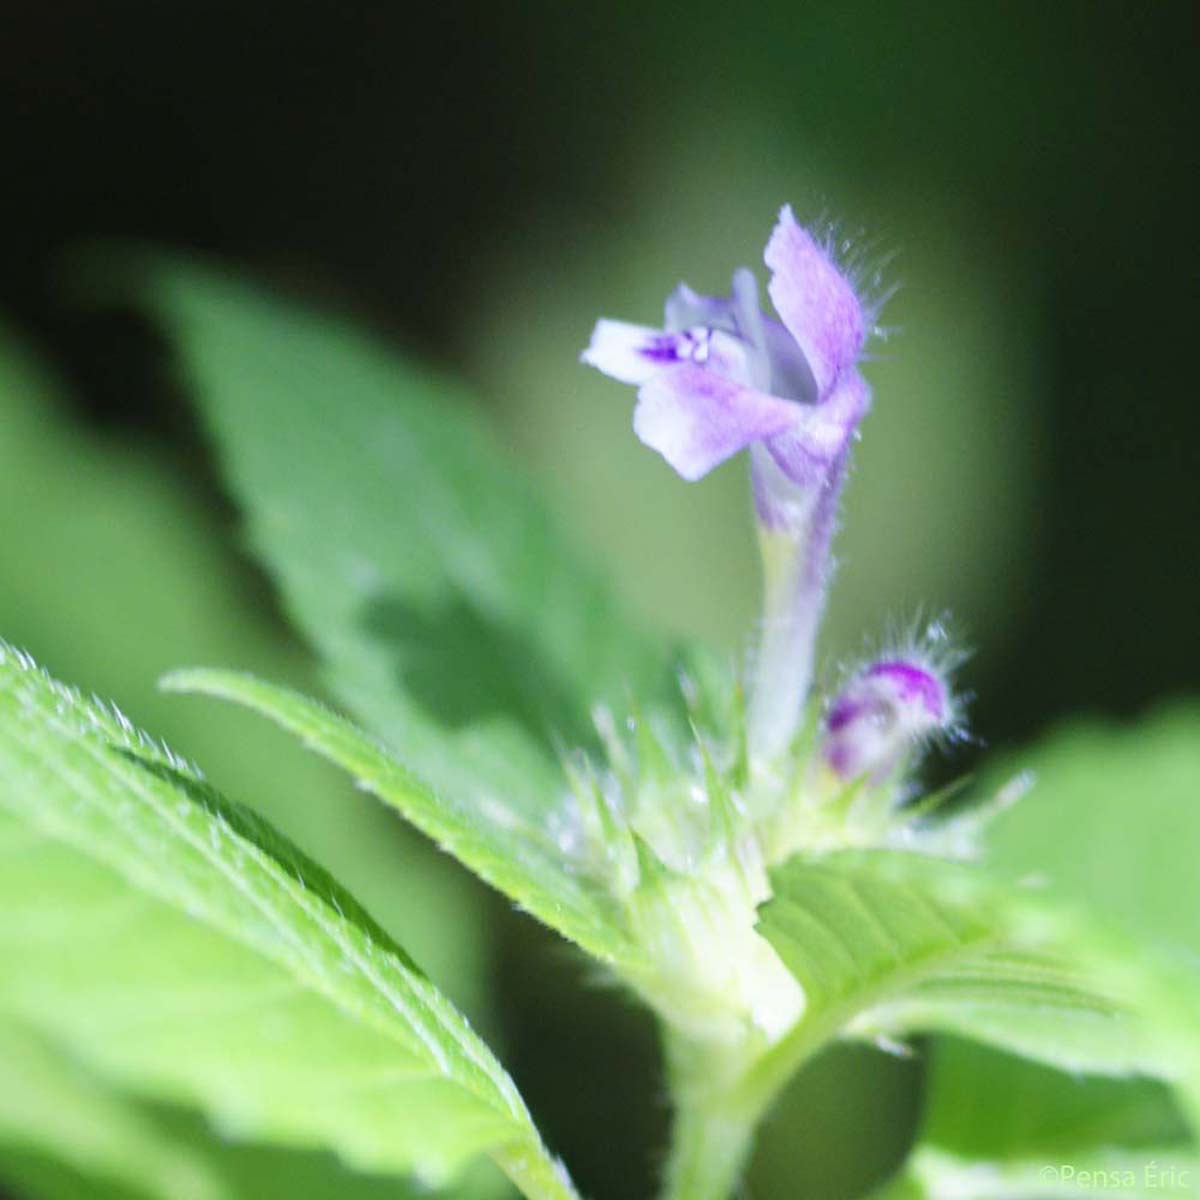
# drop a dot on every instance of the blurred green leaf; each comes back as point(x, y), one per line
point(180, 946)
point(996, 1125)
point(889, 944)
point(257, 1171)
point(1150, 1174)
point(51, 1106)
point(1112, 829)
point(511, 857)
point(439, 593)
point(984, 1104)
point(66, 1135)
point(1111, 833)
point(32, 1175)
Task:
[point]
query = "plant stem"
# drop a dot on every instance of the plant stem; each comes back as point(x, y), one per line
point(721, 1092)
point(708, 1153)
point(715, 1119)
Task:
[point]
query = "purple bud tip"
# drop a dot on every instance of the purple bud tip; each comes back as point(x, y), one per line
point(880, 714)
point(913, 685)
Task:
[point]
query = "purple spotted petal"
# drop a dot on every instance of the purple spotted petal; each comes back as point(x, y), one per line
point(624, 351)
point(696, 418)
point(815, 300)
point(636, 353)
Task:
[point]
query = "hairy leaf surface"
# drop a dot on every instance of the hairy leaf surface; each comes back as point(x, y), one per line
point(514, 856)
point(889, 944)
point(179, 946)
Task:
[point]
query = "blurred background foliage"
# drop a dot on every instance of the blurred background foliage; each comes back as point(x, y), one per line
point(480, 182)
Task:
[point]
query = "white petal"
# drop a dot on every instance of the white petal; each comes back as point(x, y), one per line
point(626, 352)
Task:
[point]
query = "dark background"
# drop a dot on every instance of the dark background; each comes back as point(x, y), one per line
point(381, 155)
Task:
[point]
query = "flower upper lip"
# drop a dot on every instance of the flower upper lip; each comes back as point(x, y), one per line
point(815, 300)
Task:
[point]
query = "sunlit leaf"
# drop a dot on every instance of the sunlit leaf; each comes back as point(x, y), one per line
point(179, 946)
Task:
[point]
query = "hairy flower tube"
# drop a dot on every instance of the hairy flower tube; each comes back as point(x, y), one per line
point(682, 831)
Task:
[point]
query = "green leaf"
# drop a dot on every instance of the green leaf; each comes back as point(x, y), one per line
point(256, 1171)
point(51, 1107)
point(1003, 1126)
point(449, 612)
point(888, 944)
point(985, 1104)
point(35, 1176)
point(1111, 835)
point(180, 947)
point(66, 1135)
point(1151, 1174)
point(513, 856)
point(162, 586)
point(1112, 830)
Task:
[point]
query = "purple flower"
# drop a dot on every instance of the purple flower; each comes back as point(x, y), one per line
point(885, 710)
point(723, 377)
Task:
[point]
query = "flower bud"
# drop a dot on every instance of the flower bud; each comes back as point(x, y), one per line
point(883, 712)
